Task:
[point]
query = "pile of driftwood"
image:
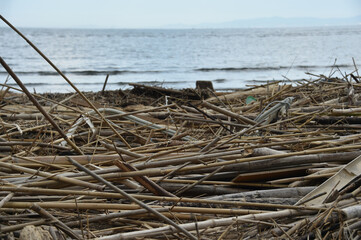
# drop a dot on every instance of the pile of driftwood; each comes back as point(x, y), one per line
point(271, 161)
point(274, 160)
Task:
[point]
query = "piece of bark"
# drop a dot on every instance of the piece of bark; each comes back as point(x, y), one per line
point(333, 184)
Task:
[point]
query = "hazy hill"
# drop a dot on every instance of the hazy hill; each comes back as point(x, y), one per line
point(276, 22)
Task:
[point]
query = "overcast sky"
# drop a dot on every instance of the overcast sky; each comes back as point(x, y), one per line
point(158, 13)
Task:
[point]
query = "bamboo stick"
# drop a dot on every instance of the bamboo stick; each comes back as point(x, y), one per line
point(152, 198)
point(199, 225)
point(35, 207)
point(22, 225)
point(228, 113)
point(115, 206)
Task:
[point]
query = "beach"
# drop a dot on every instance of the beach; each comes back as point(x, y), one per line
point(269, 159)
point(278, 158)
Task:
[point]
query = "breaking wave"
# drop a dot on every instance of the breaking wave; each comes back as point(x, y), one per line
point(230, 69)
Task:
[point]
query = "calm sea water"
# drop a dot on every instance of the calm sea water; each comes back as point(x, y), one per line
point(231, 58)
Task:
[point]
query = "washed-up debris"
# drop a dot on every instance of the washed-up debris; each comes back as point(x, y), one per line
point(278, 160)
point(212, 168)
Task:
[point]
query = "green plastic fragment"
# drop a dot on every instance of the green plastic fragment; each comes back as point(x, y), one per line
point(250, 99)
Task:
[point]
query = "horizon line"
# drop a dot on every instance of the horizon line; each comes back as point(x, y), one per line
point(217, 25)
point(185, 28)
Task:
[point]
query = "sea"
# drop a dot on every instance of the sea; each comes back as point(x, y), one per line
point(177, 58)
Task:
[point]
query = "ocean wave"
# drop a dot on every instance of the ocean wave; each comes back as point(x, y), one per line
point(85, 72)
point(61, 84)
point(205, 69)
point(99, 83)
point(31, 84)
point(113, 72)
point(238, 69)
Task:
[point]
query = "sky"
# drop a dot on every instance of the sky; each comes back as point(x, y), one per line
point(160, 13)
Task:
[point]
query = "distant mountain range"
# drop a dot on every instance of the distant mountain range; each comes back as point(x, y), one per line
point(275, 22)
